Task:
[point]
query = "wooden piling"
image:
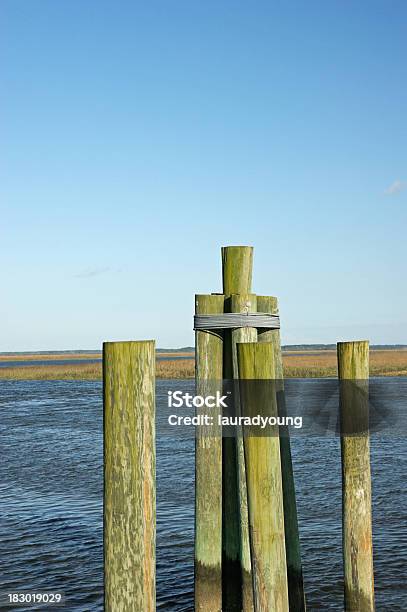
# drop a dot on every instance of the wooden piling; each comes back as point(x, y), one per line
point(237, 269)
point(264, 484)
point(208, 466)
point(353, 371)
point(129, 475)
point(243, 303)
point(269, 304)
point(237, 266)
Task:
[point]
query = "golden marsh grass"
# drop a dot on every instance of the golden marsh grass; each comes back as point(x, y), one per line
point(174, 368)
point(296, 365)
point(64, 356)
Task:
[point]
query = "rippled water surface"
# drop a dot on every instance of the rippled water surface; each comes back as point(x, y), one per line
point(51, 502)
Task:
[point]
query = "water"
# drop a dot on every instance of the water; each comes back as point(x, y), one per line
point(51, 502)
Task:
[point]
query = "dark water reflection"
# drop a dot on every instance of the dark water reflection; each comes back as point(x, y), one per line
point(51, 503)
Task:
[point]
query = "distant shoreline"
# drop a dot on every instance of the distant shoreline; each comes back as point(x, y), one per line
point(186, 350)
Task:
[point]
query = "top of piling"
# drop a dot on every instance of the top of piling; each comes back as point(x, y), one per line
point(353, 359)
point(237, 269)
point(129, 342)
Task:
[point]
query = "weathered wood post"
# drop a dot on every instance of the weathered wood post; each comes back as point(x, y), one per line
point(353, 371)
point(237, 267)
point(243, 303)
point(264, 485)
point(129, 475)
point(208, 466)
point(269, 304)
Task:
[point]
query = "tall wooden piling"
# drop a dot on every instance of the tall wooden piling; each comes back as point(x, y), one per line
point(243, 303)
point(129, 475)
point(264, 484)
point(353, 371)
point(269, 304)
point(208, 466)
point(237, 267)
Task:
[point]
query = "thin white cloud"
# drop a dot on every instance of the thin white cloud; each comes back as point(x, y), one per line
point(395, 188)
point(90, 272)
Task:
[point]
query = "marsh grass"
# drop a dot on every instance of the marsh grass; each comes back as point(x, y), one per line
point(65, 356)
point(323, 364)
point(177, 368)
point(300, 365)
point(80, 371)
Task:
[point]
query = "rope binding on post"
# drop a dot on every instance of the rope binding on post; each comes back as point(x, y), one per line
point(234, 320)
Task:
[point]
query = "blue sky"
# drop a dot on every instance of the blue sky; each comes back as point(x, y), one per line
point(140, 137)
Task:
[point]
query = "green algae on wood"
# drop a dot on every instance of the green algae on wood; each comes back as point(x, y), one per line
point(237, 268)
point(129, 475)
point(353, 372)
point(264, 484)
point(269, 304)
point(208, 466)
point(243, 303)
